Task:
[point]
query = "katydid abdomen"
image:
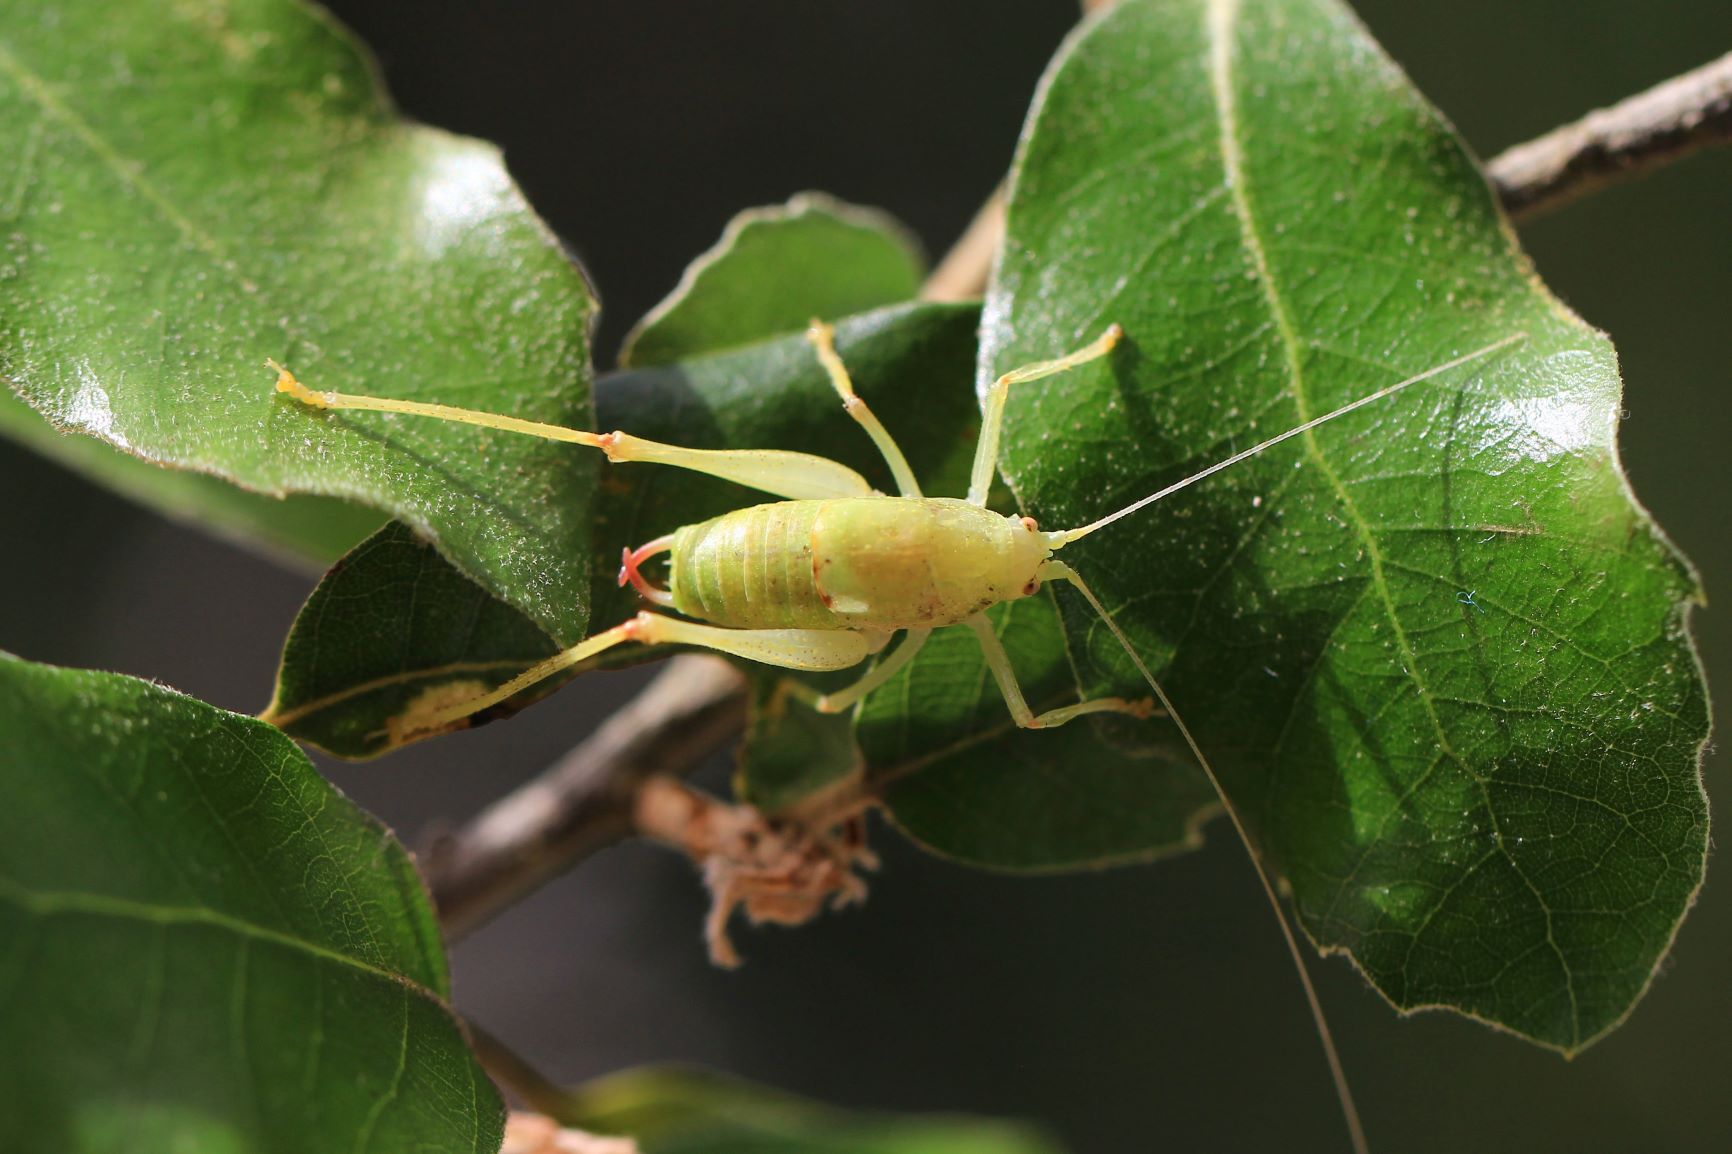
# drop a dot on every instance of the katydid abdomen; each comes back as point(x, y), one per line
point(876, 563)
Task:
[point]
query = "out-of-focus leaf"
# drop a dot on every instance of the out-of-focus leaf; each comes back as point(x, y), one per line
point(297, 527)
point(203, 945)
point(393, 626)
point(197, 187)
point(773, 271)
point(790, 750)
point(1436, 648)
point(675, 1111)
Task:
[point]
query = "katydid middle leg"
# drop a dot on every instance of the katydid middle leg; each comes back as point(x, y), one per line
point(880, 673)
point(823, 339)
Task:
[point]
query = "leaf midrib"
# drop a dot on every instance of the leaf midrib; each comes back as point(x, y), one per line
point(1220, 18)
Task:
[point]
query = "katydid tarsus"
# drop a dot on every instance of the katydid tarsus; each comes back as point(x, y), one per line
point(825, 577)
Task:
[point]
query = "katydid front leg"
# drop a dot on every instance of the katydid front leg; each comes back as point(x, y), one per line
point(998, 661)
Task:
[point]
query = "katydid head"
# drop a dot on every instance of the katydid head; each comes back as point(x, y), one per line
point(1030, 549)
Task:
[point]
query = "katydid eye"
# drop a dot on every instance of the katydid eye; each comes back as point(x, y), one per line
point(1031, 589)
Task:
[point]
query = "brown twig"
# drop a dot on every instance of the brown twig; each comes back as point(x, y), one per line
point(962, 274)
point(540, 1128)
point(515, 1074)
point(1666, 123)
point(585, 800)
point(697, 705)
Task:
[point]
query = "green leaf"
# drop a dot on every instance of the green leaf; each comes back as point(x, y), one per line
point(773, 271)
point(198, 187)
point(299, 528)
point(1436, 648)
point(680, 1111)
point(391, 627)
point(203, 945)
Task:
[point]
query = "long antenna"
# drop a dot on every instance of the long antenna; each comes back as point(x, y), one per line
point(1343, 1093)
point(1069, 535)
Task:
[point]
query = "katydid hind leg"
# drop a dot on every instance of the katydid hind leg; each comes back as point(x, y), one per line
point(781, 473)
point(806, 649)
point(425, 723)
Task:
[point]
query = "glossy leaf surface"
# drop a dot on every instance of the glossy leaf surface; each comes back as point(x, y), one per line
point(196, 188)
point(773, 271)
point(204, 946)
point(674, 1111)
point(1436, 647)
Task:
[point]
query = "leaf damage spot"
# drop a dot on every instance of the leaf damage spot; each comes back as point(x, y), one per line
point(416, 718)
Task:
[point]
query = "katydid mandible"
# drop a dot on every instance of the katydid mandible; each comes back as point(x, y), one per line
point(825, 577)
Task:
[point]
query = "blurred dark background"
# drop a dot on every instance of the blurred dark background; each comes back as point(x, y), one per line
point(1133, 1010)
